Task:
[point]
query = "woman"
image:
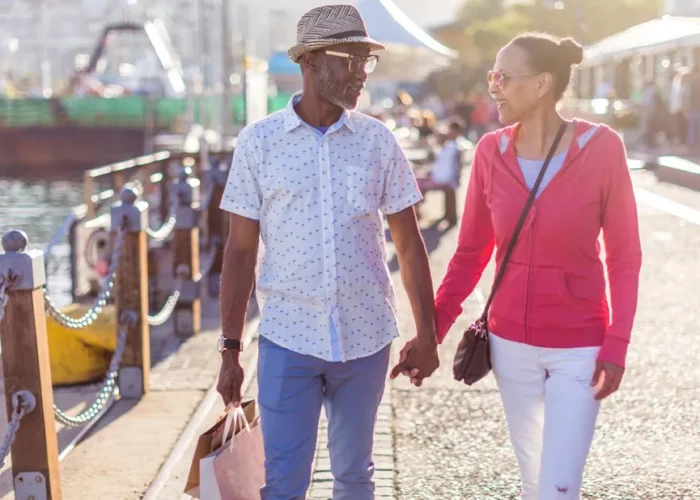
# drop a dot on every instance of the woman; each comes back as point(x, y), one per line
point(554, 351)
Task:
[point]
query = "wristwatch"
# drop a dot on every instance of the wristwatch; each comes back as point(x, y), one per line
point(225, 344)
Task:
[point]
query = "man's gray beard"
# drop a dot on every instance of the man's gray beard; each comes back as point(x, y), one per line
point(329, 90)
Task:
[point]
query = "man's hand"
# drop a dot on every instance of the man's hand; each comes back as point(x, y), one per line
point(418, 360)
point(611, 376)
point(230, 378)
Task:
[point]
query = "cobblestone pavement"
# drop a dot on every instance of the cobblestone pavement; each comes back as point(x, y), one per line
point(322, 481)
point(451, 440)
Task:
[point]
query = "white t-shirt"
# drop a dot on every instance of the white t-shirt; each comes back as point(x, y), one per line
point(446, 164)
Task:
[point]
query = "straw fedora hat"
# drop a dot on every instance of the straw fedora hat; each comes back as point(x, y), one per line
point(330, 25)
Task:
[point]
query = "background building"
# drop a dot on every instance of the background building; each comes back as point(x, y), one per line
point(42, 40)
point(682, 7)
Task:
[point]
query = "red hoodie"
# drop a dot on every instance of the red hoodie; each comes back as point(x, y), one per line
point(553, 293)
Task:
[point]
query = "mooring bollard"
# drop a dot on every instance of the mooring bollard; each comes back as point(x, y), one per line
point(130, 219)
point(188, 310)
point(217, 225)
point(25, 358)
point(165, 188)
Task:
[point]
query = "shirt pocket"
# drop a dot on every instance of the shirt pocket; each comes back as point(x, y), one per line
point(361, 189)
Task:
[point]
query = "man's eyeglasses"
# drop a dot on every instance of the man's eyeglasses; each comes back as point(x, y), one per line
point(355, 62)
point(499, 78)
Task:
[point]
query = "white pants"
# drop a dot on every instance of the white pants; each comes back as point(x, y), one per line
point(551, 413)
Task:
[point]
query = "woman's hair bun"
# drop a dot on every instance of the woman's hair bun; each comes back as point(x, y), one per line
point(571, 50)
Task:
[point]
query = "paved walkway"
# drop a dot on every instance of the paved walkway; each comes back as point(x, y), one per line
point(445, 440)
point(450, 440)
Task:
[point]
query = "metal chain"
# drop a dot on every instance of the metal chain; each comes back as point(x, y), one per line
point(23, 402)
point(165, 230)
point(91, 315)
point(164, 314)
point(126, 319)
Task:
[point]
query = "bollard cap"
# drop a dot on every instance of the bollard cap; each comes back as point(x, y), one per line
point(182, 271)
point(128, 196)
point(15, 241)
point(183, 174)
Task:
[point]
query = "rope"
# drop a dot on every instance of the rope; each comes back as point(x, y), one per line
point(4, 298)
point(7, 280)
point(109, 384)
point(23, 402)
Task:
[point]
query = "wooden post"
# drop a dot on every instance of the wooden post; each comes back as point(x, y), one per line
point(188, 311)
point(217, 226)
point(25, 358)
point(132, 292)
point(165, 190)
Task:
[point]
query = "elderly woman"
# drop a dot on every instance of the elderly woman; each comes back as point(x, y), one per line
point(555, 347)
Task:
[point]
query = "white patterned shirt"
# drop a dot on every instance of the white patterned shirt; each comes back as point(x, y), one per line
point(322, 268)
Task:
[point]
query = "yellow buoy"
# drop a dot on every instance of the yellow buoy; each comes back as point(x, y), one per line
point(79, 356)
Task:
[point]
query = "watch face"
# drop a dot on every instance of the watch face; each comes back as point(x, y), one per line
point(220, 344)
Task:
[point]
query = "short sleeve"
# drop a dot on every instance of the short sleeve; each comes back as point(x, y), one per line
point(400, 186)
point(242, 193)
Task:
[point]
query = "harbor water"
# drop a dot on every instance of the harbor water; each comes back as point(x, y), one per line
point(39, 207)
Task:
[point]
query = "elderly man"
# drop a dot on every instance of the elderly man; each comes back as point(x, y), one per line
point(311, 183)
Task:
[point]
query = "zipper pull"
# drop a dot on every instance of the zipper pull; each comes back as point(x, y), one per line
point(530, 217)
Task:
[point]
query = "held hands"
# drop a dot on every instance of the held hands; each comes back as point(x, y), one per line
point(418, 360)
point(609, 376)
point(231, 378)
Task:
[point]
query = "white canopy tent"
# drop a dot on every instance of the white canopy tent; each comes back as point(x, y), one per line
point(655, 36)
point(412, 54)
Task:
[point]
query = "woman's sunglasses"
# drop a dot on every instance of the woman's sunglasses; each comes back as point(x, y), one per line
point(499, 78)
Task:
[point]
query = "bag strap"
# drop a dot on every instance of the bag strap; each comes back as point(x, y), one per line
point(523, 216)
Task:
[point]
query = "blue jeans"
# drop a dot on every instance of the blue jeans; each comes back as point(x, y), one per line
point(291, 390)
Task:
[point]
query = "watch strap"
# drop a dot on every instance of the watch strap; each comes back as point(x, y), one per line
point(232, 345)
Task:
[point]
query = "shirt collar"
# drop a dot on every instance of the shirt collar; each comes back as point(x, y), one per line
point(292, 120)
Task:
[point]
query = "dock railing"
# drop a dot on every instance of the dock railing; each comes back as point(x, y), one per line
point(25, 302)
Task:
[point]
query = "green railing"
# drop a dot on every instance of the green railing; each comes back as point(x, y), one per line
point(117, 112)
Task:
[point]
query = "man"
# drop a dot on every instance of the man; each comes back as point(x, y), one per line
point(310, 182)
point(445, 171)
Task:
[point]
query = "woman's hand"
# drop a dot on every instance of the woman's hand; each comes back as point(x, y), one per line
point(611, 376)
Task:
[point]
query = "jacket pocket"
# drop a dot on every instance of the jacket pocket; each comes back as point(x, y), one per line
point(545, 297)
point(553, 305)
point(361, 186)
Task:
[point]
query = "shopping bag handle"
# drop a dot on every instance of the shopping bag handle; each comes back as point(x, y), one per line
point(233, 413)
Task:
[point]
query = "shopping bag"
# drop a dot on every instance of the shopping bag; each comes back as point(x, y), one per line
point(236, 471)
point(211, 440)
